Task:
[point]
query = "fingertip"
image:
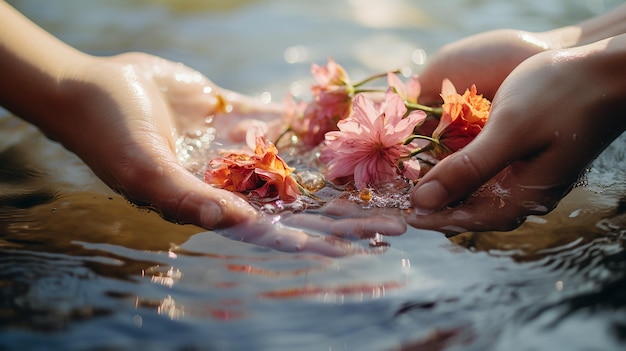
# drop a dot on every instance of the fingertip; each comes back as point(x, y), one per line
point(225, 210)
point(429, 196)
point(452, 179)
point(183, 198)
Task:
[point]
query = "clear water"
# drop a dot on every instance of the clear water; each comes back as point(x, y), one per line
point(80, 269)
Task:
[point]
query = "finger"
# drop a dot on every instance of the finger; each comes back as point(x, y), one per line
point(524, 188)
point(181, 197)
point(350, 219)
point(348, 208)
point(464, 218)
point(492, 207)
point(455, 178)
point(462, 173)
point(284, 238)
point(369, 227)
point(356, 228)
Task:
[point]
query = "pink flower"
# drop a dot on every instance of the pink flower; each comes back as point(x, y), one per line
point(410, 91)
point(370, 143)
point(332, 102)
point(329, 77)
point(309, 121)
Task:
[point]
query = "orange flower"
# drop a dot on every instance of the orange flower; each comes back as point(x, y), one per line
point(263, 173)
point(463, 117)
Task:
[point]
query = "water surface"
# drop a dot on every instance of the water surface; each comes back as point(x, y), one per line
point(81, 269)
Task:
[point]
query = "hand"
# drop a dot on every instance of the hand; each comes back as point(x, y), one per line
point(329, 232)
point(136, 104)
point(484, 59)
point(546, 126)
point(121, 122)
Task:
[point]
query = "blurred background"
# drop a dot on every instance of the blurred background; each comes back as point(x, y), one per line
point(268, 45)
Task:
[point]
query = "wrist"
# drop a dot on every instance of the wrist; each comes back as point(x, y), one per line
point(561, 38)
point(59, 99)
point(592, 30)
point(601, 66)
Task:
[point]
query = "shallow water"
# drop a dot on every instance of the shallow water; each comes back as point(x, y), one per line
point(81, 269)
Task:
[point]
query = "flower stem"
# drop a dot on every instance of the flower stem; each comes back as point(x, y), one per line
point(282, 135)
point(415, 106)
point(304, 191)
point(417, 151)
point(419, 136)
point(371, 78)
point(356, 91)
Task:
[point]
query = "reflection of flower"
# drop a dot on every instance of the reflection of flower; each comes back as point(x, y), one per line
point(463, 117)
point(370, 142)
point(263, 173)
point(332, 101)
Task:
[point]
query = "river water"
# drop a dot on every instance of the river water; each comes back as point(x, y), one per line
point(81, 269)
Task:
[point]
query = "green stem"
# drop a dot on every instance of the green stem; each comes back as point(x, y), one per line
point(415, 106)
point(415, 152)
point(371, 78)
point(356, 91)
point(419, 136)
point(282, 135)
point(304, 191)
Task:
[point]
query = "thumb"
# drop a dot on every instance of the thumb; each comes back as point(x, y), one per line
point(187, 199)
point(179, 196)
point(460, 174)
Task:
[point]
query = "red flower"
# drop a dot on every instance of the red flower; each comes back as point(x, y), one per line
point(263, 173)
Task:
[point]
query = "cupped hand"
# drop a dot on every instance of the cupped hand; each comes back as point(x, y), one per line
point(550, 118)
point(124, 120)
point(484, 59)
point(121, 121)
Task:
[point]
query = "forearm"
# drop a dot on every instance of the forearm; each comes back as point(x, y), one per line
point(608, 68)
point(601, 27)
point(33, 67)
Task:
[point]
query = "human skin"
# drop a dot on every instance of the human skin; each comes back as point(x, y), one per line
point(120, 115)
point(486, 59)
point(553, 112)
point(113, 114)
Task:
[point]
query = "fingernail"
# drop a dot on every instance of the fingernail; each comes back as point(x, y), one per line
point(210, 215)
point(422, 212)
point(429, 196)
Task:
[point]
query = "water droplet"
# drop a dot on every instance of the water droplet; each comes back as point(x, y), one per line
point(296, 54)
point(365, 194)
point(575, 213)
point(311, 181)
point(137, 321)
point(266, 97)
point(558, 285)
point(419, 57)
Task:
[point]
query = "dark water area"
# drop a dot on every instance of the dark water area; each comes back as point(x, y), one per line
point(82, 269)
